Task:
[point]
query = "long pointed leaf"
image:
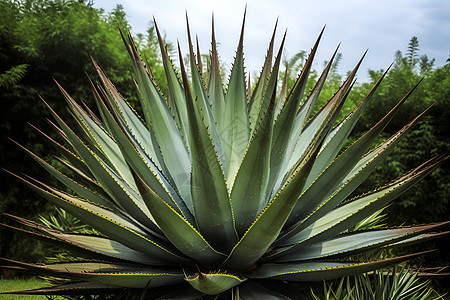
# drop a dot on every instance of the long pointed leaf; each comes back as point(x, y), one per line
point(270, 89)
point(213, 210)
point(143, 134)
point(110, 223)
point(249, 193)
point(336, 172)
point(351, 243)
point(234, 127)
point(173, 148)
point(215, 91)
point(116, 275)
point(336, 138)
point(176, 92)
point(357, 175)
point(178, 230)
point(71, 157)
point(102, 140)
point(285, 124)
point(339, 219)
point(142, 164)
point(323, 270)
point(199, 94)
point(255, 104)
point(123, 195)
point(82, 191)
point(96, 247)
point(317, 121)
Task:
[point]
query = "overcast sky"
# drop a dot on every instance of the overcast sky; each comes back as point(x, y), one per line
point(382, 26)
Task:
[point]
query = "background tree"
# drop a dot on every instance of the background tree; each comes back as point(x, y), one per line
point(429, 138)
point(42, 41)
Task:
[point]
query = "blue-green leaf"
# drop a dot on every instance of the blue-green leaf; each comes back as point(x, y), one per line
point(168, 136)
point(178, 230)
point(351, 243)
point(215, 91)
point(285, 124)
point(263, 232)
point(213, 210)
point(322, 270)
point(234, 128)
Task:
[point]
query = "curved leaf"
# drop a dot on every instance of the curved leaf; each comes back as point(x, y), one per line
point(255, 105)
point(340, 218)
point(199, 94)
point(283, 128)
point(215, 91)
point(118, 189)
point(143, 134)
point(87, 245)
point(356, 176)
point(111, 223)
point(81, 190)
point(74, 161)
point(323, 270)
point(213, 284)
point(348, 244)
point(111, 274)
point(317, 192)
point(176, 92)
point(141, 163)
point(249, 192)
point(336, 138)
point(102, 141)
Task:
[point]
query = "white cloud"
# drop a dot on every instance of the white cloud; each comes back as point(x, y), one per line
point(383, 26)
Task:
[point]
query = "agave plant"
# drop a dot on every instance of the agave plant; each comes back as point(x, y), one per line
point(218, 191)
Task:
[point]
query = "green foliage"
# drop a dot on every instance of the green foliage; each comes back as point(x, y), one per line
point(65, 222)
point(293, 66)
point(413, 48)
point(41, 41)
point(430, 137)
point(395, 284)
point(13, 76)
point(375, 221)
point(7, 285)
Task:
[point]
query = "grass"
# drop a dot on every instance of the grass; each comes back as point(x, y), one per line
point(7, 285)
